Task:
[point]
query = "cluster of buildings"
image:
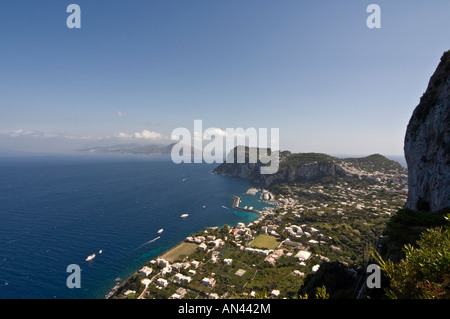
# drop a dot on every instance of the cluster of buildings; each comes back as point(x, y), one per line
point(298, 237)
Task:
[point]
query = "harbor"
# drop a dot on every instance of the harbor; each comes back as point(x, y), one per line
point(265, 196)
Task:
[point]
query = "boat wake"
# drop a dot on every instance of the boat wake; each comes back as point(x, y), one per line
point(225, 207)
point(149, 242)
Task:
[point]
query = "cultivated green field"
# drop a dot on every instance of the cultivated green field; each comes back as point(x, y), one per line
point(265, 242)
point(179, 252)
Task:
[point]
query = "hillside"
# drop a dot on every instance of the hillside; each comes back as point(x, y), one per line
point(298, 167)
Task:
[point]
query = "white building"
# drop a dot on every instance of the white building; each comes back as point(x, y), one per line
point(228, 261)
point(181, 277)
point(303, 255)
point(162, 282)
point(145, 270)
point(209, 282)
point(315, 268)
point(275, 293)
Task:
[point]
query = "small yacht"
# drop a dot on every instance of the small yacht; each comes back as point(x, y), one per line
point(160, 231)
point(90, 257)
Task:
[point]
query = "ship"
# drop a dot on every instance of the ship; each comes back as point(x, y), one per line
point(160, 231)
point(184, 215)
point(90, 257)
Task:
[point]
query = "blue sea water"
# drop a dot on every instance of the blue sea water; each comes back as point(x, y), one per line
point(55, 210)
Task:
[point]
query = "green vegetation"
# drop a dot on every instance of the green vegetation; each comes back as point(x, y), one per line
point(406, 226)
point(424, 272)
point(265, 242)
point(291, 161)
point(179, 252)
point(375, 162)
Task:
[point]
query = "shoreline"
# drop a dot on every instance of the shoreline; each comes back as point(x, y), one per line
point(236, 202)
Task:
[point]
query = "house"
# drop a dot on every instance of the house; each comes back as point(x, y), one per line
point(181, 277)
point(176, 296)
point(303, 255)
point(146, 282)
point(275, 293)
point(315, 268)
point(287, 242)
point(162, 282)
point(162, 262)
point(335, 249)
point(192, 272)
point(195, 263)
point(209, 282)
point(145, 270)
point(227, 261)
point(298, 273)
point(166, 270)
point(199, 239)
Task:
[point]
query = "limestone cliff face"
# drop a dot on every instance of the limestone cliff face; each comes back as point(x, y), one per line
point(299, 173)
point(427, 144)
point(311, 166)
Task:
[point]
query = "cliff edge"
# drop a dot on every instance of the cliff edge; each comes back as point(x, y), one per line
point(427, 144)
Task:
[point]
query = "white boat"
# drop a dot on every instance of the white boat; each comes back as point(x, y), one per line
point(100, 251)
point(184, 215)
point(160, 231)
point(90, 257)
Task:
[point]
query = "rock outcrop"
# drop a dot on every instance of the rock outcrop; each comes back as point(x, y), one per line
point(427, 144)
point(303, 167)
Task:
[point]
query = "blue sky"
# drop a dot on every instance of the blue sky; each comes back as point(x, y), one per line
point(140, 69)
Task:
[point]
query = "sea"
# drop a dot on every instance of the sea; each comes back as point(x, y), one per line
point(57, 209)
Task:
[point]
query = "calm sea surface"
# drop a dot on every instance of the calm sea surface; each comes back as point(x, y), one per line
point(55, 210)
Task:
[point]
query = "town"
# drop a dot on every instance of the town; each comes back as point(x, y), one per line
point(331, 222)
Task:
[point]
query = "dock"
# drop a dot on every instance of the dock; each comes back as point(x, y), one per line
point(236, 202)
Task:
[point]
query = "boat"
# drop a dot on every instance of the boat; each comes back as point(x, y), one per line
point(204, 206)
point(184, 215)
point(90, 257)
point(100, 251)
point(160, 231)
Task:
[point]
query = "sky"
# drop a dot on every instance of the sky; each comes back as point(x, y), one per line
point(136, 70)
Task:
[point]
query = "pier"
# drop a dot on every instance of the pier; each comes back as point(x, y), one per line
point(236, 202)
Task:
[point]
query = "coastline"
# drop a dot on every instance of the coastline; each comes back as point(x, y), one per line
point(235, 206)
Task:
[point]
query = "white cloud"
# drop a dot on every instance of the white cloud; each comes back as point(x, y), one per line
point(144, 135)
point(214, 131)
point(148, 135)
point(124, 135)
point(121, 114)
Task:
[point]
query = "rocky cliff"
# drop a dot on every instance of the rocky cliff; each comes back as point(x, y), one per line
point(312, 166)
point(427, 144)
